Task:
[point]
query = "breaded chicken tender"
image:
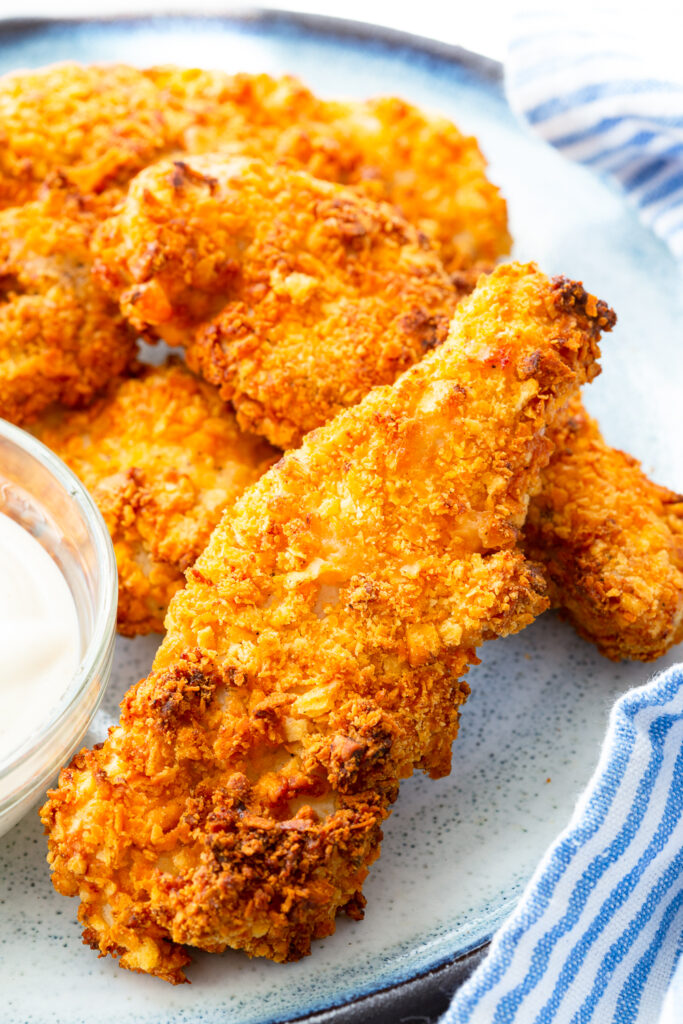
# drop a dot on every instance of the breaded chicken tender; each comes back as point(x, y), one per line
point(435, 175)
point(326, 295)
point(387, 148)
point(293, 295)
point(99, 125)
point(315, 657)
point(162, 457)
point(61, 337)
point(431, 172)
point(611, 542)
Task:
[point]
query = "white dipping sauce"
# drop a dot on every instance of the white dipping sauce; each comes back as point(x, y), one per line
point(39, 635)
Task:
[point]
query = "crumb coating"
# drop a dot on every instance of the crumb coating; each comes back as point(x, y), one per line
point(315, 657)
point(102, 124)
point(292, 295)
point(611, 542)
point(386, 148)
point(61, 337)
point(163, 457)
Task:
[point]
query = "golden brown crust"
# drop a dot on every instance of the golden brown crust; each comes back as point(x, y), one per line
point(293, 295)
point(386, 148)
point(432, 173)
point(611, 542)
point(314, 658)
point(102, 124)
point(61, 337)
point(162, 456)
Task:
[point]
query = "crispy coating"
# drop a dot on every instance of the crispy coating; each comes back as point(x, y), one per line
point(297, 297)
point(102, 124)
point(387, 148)
point(163, 457)
point(431, 172)
point(61, 337)
point(293, 295)
point(611, 542)
point(315, 656)
point(99, 125)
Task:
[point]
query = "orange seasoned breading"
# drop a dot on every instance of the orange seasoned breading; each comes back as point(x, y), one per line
point(61, 337)
point(219, 106)
point(99, 125)
point(163, 457)
point(293, 295)
point(434, 174)
point(611, 542)
point(102, 124)
point(315, 657)
point(387, 148)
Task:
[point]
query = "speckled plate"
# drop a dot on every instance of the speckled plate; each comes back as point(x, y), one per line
point(457, 852)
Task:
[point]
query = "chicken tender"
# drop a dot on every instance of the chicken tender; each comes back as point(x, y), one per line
point(315, 657)
point(61, 337)
point(389, 149)
point(293, 295)
point(327, 295)
point(99, 125)
point(611, 542)
point(102, 124)
point(432, 173)
point(162, 457)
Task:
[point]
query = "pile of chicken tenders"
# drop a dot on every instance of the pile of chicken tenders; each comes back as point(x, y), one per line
point(369, 456)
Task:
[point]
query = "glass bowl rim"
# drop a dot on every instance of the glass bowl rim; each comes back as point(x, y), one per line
point(106, 601)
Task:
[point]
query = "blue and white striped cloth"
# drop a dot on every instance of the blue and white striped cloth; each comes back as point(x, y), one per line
point(583, 84)
point(597, 936)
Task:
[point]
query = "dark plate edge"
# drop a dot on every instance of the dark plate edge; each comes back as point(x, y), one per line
point(320, 24)
point(427, 993)
point(419, 999)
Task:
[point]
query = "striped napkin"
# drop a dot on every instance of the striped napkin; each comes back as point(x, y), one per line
point(583, 84)
point(598, 934)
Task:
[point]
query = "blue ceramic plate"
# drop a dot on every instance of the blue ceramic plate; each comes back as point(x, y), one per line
point(457, 852)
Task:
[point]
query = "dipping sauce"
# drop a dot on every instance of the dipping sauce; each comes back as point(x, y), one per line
point(39, 635)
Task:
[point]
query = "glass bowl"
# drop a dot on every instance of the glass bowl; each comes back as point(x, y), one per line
point(44, 497)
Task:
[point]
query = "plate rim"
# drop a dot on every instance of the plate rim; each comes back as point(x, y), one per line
point(445, 975)
point(271, 17)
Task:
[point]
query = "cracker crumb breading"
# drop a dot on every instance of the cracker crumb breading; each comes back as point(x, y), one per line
point(61, 337)
point(386, 148)
point(102, 124)
point(162, 456)
point(293, 295)
point(315, 657)
point(611, 542)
